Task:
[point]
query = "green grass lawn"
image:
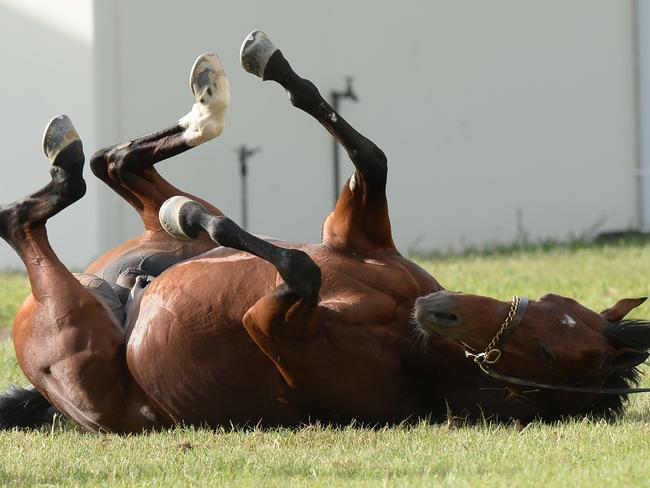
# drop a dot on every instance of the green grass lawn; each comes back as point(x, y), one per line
point(575, 453)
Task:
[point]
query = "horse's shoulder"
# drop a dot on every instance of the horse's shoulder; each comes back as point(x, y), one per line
point(376, 288)
point(386, 273)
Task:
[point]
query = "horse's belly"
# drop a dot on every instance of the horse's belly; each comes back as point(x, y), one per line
point(192, 356)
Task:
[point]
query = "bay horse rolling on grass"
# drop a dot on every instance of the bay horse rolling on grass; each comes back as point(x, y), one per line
point(199, 322)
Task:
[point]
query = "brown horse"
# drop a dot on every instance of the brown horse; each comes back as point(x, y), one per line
point(280, 333)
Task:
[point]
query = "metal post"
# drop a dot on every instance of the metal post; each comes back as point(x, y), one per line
point(244, 153)
point(642, 10)
point(335, 97)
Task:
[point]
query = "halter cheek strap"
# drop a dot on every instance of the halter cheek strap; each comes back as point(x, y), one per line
point(492, 354)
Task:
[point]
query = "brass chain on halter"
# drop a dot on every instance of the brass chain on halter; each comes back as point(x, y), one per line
point(491, 354)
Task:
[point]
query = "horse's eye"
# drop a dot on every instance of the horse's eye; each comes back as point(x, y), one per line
point(546, 354)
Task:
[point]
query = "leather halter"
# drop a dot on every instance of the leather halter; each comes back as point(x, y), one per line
point(491, 355)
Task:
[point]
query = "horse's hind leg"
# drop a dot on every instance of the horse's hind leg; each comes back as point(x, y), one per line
point(63, 147)
point(66, 342)
point(129, 168)
point(360, 220)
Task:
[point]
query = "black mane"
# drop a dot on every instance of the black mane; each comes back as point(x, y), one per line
point(629, 333)
point(634, 334)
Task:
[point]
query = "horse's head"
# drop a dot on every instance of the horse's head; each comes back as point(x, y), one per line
point(553, 340)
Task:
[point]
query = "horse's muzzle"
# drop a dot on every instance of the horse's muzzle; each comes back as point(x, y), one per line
point(436, 310)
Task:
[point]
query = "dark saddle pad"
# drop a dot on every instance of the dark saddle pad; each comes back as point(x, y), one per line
point(122, 283)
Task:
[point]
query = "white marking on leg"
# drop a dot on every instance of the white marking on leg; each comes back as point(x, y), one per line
point(333, 117)
point(568, 321)
point(169, 216)
point(353, 182)
point(212, 93)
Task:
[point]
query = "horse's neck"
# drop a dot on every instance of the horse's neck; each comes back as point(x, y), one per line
point(468, 393)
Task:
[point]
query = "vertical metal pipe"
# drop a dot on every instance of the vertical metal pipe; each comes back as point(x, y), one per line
point(642, 26)
point(335, 155)
point(335, 97)
point(244, 194)
point(244, 153)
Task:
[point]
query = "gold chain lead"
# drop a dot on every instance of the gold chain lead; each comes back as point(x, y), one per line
point(491, 354)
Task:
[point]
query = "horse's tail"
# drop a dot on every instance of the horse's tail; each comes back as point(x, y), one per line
point(24, 408)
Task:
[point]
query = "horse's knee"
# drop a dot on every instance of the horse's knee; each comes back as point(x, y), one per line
point(297, 269)
point(300, 273)
point(223, 231)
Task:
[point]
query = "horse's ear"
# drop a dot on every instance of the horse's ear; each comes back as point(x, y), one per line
point(626, 358)
point(622, 308)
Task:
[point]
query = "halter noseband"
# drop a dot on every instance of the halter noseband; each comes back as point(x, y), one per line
point(492, 354)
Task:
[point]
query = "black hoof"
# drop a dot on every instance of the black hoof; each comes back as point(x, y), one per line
point(205, 77)
point(62, 145)
point(256, 50)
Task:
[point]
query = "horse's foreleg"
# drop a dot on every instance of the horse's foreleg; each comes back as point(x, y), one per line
point(360, 220)
point(67, 343)
point(129, 168)
point(280, 323)
point(286, 314)
point(185, 219)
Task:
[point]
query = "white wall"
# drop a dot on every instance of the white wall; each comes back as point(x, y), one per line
point(46, 53)
point(482, 107)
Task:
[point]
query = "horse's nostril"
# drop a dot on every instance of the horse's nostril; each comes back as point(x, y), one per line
point(443, 315)
point(443, 319)
point(435, 311)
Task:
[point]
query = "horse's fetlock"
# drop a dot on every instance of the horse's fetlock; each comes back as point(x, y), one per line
point(99, 163)
point(112, 170)
point(210, 130)
point(223, 230)
point(304, 95)
point(75, 190)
